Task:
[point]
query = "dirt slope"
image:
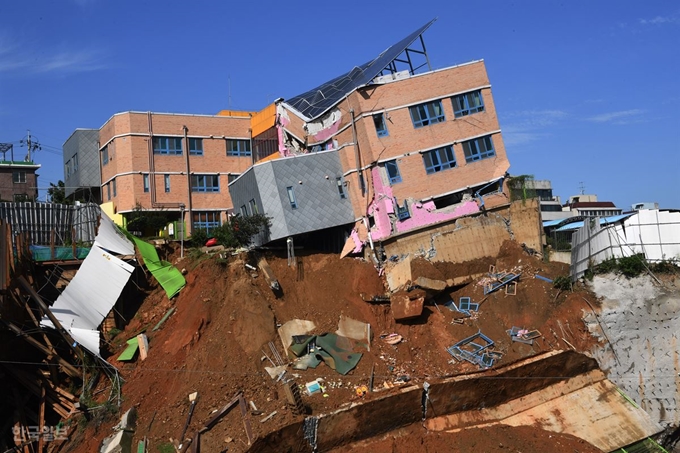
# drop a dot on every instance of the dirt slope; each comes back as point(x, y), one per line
point(225, 318)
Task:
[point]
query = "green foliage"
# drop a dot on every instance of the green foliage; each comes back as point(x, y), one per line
point(520, 188)
point(165, 448)
point(57, 193)
point(145, 221)
point(563, 283)
point(238, 232)
point(632, 266)
point(629, 266)
point(670, 266)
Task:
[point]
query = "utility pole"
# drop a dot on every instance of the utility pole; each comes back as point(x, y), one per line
point(31, 145)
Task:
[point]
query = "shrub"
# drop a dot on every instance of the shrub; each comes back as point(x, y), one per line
point(563, 283)
point(632, 266)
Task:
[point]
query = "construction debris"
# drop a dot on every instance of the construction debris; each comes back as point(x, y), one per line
point(473, 350)
point(523, 335)
point(405, 306)
point(268, 274)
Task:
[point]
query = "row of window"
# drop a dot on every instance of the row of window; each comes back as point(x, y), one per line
point(173, 146)
point(71, 165)
point(432, 112)
point(440, 159)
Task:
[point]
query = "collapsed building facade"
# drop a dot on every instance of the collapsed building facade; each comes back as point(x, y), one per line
point(386, 145)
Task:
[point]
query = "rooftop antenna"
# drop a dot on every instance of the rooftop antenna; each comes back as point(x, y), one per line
point(582, 187)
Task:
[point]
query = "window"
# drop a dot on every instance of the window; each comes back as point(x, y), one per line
point(21, 197)
point(205, 183)
point(393, 171)
point(380, 125)
point(232, 177)
point(75, 162)
point(206, 220)
point(253, 207)
point(166, 180)
point(105, 155)
point(18, 177)
point(244, 211)
point(238, 147)
point(167, 145)
point(291, 197)
point(196, 146)
point(426, 114)
point(67, 169)
point(467, 103)
point(146, 182)
point(341, 188)
point(108, 191)
point(479, 148)
point(114, 186)
point(439, 159)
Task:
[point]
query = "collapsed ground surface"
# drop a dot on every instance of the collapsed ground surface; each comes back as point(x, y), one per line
point(225, 317)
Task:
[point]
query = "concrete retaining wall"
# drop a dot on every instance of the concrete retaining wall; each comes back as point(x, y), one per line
point(485, 389)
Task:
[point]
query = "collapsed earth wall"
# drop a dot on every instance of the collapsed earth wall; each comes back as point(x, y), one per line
point(381, 415)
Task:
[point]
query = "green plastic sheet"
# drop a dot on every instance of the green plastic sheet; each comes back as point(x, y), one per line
point(130, 351)
point(170, 278)
point(335, 350)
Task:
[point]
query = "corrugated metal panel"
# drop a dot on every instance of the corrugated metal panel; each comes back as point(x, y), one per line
point(110, 238)
point(91, 295)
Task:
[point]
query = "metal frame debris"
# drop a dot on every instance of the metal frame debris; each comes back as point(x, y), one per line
point(477, 354)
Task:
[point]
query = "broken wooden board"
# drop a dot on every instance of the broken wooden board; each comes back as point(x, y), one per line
point(143, 342)
point(268, 274)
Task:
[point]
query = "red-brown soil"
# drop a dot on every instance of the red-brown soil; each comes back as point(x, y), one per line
point(498, 438)
point(225, 318)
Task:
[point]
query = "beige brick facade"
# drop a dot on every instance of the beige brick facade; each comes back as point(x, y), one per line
point(127, 140)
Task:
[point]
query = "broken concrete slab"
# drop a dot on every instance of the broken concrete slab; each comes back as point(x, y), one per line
point(405, 307)
point(430, 284)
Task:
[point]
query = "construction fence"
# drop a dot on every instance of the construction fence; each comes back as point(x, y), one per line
point(652, 233)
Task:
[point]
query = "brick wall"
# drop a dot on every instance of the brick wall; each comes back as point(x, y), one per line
point(127, 137)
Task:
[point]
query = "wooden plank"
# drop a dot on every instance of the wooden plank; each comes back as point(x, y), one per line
point(221, 413)
point(143, 342)
point(246, 422)
point(41, 419)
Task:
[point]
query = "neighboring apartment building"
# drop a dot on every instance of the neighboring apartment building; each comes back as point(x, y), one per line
point(177, 163)
point(551, 206)
point(383, 146)
point(18, 180)
point(82, 175)
point(588, 206)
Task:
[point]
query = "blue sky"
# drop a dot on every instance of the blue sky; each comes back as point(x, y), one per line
point(586, 91)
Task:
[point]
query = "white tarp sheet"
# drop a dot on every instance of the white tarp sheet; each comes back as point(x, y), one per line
point(94, 290)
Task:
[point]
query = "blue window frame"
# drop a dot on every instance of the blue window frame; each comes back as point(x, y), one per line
point(467, 103)
point(393, 171)
point(145, 179)
point(427, 114)
point(479, 148)
point(291, 197)
point(380, 124)
point(196, 146)
point(105, 155)
point(439, 159)
point(167, 145)
point(166, 181)
point(205, 183)
point(114, 186)
point(238, 147)
point(206, 220)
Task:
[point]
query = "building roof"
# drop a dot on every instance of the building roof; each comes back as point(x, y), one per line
point(603, 221)
point(592, 204)
point(317, 101)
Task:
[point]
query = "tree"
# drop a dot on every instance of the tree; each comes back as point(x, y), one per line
point(57, 193)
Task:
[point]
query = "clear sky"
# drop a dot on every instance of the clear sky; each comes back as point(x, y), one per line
point(586, 91)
